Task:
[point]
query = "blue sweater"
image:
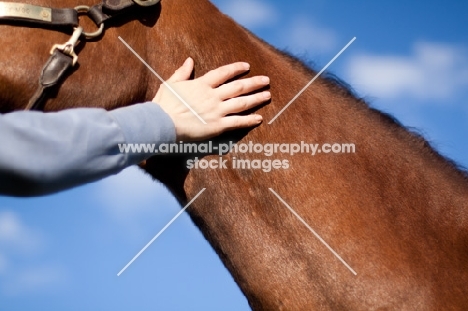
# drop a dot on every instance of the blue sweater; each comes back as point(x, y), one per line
point(42, 153)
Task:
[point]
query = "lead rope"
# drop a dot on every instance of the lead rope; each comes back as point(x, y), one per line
point(63, 56)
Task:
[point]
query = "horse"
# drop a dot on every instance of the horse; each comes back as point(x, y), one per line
point(395, 210)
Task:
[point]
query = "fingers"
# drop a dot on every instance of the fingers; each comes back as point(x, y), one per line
point(220, 75)
point(234, 122)
point(183, 73)
point(240, 87)
point(244, 103)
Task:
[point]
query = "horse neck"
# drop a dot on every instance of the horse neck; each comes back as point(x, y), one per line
point(383, 209)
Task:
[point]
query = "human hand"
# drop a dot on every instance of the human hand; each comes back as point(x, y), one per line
point(212, 100)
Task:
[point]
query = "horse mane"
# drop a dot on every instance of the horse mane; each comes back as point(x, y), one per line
point(342, 88)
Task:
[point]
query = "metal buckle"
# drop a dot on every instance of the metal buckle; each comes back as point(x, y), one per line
point(68, 47)
point(146, 2)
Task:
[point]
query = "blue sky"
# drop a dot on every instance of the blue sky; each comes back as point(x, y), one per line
point(63, 252)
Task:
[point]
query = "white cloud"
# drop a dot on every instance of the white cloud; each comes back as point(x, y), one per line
point(37, 279)
point(304, 35)
point(15, 235)
point(434, 71)
point(18, 242)
point(130, 194)
point(250, 13)
point(298, 35)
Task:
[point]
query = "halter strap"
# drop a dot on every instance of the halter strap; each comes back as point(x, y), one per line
point(63, 56)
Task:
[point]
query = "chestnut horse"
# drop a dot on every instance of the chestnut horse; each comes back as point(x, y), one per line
point(396, 211)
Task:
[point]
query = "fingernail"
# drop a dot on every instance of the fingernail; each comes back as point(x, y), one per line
point(246, 66)
point(265, 80)
point(187, 60)
point(258, 118)
point(266, 95)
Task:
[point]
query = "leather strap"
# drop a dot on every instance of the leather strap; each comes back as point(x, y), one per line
point(117, 5)
point(55, 68)
point(104, 11)
point(109, 8)
point(97, 15)
point(65, 17)
point(52, 74)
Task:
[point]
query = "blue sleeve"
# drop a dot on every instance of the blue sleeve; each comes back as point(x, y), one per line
point(42, 153)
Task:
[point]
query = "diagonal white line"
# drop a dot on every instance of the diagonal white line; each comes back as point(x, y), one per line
point(160, 232)
point(313, 231)
point(162, 80)
point(312, 81)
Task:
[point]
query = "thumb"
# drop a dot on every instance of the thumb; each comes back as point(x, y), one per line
point(183, 73)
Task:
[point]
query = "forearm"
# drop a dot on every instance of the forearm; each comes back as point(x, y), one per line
point(45, 153)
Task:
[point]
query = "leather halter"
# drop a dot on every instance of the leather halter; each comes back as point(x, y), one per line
point(63, 56)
